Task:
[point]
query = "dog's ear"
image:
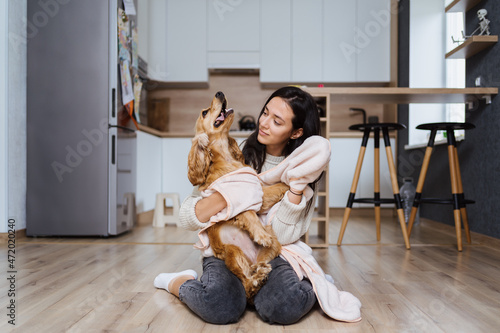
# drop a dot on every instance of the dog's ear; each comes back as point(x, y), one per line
point(198, 160)
point(235, 150)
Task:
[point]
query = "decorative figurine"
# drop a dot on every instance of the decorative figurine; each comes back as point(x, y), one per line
point(484, 27)
point(484, 24)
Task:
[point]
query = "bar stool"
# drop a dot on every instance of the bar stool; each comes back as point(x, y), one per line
point(376, 200)
point(458, 199)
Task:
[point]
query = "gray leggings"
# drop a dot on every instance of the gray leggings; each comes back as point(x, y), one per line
point(219, 296)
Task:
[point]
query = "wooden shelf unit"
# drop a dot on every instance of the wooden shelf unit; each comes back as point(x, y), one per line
point(321, 219)
point(471, 46)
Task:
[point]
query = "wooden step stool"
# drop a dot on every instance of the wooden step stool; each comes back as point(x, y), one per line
point(160, 217)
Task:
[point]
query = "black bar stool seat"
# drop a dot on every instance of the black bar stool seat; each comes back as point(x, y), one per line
point(376, 128)
point(445, 126)
point(373, 126)
point(458, 198)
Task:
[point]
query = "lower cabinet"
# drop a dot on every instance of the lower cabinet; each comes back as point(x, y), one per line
point(149, 170)
point(162, 165)
point(175, 153)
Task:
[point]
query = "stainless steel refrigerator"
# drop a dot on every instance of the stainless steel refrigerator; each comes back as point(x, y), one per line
point(81, 147)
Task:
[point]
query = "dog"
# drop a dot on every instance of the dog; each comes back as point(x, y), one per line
point(213, 154)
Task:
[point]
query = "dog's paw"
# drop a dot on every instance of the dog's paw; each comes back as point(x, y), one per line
point(201, 139)
point(261, 270)
point(264, 239)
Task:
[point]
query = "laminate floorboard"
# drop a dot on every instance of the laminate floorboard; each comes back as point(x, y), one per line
point(92, 284)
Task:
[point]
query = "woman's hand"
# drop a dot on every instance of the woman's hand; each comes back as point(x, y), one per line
point(209, 206)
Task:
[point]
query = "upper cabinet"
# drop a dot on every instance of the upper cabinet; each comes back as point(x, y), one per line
point(373, 40)
point(339, 41)
point(233, 34)
point(306, 30)
point(276, 41)
point(186, 41)
point(325, 41)
point(290, 41)
point(177, 43)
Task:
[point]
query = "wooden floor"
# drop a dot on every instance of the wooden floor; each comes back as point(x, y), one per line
point(106, 285)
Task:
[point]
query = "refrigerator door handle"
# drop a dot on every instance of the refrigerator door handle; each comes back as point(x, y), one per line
point(122, 127)
point(113, 97)
point(113, 149)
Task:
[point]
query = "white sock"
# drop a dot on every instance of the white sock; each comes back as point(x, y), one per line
point(163, 280)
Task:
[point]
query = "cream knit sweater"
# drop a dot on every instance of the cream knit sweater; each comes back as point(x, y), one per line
point(290, 222)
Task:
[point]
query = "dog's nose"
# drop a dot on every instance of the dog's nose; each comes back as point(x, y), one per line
point(219, 94)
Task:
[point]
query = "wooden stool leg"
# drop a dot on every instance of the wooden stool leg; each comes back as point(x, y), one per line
point(354, 186)
point(454, 187)
point(395, 189)
point(347, 213)
point(421, 180)
point(460, 188)
point(376, 178)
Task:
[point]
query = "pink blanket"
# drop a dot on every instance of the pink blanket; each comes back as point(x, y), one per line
point(339, 305)
point(242, 190)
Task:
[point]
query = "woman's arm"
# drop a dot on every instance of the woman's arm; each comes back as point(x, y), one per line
point(291, 220)
point(195, 211)
point(209, 206)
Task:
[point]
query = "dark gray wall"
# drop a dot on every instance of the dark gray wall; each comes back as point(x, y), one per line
point(478, 153)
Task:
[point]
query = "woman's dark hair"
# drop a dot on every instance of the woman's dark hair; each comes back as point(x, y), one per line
point(305, 116)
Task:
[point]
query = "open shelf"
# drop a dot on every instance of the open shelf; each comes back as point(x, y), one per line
point(461, 5)
point(471, 46)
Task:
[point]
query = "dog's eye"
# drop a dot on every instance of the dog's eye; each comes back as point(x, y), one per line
point(204, 113)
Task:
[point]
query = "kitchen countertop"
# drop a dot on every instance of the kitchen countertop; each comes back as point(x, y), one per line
point(155, 132)
point(370, 95)
point(403, 95)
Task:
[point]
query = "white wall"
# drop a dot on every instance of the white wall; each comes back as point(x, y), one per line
point(13, 113)
point(427, 62)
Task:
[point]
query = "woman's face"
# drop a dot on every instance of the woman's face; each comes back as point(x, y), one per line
point(275, 126)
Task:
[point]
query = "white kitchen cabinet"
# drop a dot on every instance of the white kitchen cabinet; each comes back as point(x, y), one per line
point(345, 152)
point(339, 57)
point(276, 41)
point(373, 37)
point(233, 34)
point(186, 41)
point(175, 153)
point(331, 41)
point(177, 45)
point(306, 52)
point(149, 170)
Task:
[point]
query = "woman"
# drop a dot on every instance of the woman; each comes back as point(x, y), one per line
point(289, 116)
